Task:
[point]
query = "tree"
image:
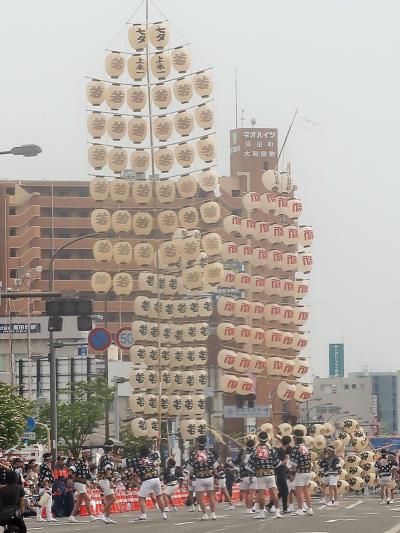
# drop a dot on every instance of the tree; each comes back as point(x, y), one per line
point(80, 417)
point(14, 410)
point(132, 443)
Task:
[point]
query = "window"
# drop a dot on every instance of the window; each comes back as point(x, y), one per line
point(12, 232)
point(12, 211)
point(353, 386)
point(45, 232)
point(10, 190)
point(346, 387)
point(265, 165)
point(236, 193)
point(239, 401)
point(13, 273)
point(3, 366)
point(45, 211)
point(13, 252)
point(63, 275)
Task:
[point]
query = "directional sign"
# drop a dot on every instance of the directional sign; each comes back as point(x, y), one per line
point(30, 424)
point(124, 338)
point(29, 435)
point(99, 339)
point(82, 351)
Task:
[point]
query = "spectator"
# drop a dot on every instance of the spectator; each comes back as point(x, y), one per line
point(12, 503)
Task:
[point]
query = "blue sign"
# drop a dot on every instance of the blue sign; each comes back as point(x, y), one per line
point(99, 339)
point(34, 327)
point(393, 443)
point(30, 424)
point(336, 360)
point(82, 351)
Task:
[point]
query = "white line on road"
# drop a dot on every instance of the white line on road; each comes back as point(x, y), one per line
point(358, 502)
point(183, 523)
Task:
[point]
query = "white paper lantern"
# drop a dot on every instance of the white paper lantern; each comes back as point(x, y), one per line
point(259, 257)
point(137, 67)
point(242, 334)
point(201, 355)
point(97, 156)
point(261, 231)
point(139, 427)
point(204, 115)
point(161, 95)
point(274, 259)
point(206, 149)
point(225, 331)
point(150, 379)
point(175, 405)
point(160, 65)
point(270, 180)
point(229, 251)
point(273, 286)
point(245, 386)
point(289, 261)
point(122, 252)
point(210, 212)
point(137, 36)
point(257, 336)
point(229, 279)
point(164, 159)
point(188, 429)
point(101, 282)
point(300, 289)
point(226, 359)
point(143, 254)
point(142, 223)
point(273, 338)
point(187, 405)
point(300, 340)
point(100, 220)
point(187, 186)
point(295, 208)
point(137, 378)
point(203, 84)
point(137, 354)
point(180, 59)
point(96, 92)
point(99, 188)
point(183, 90)
point(242, 362)
point(115, 96)
point(167, 221)
point(272, 312)
point(286, 314)
point(257, 310)
point(286, 391)
point(139, 160)
point(184, 154)
point(192, 278)
point(117, 160)
point(200, 379)
point(287, 288)
point(290, 235)
point(305, 262)
point(306, 235)
point(96, 124)
point(153, 427)
point(301, 315)
point(286, 340)
point(119, 190)
point(159, 34)
point(136, 403)
point(242, 308)
point(199, 404)
point(121, 221)
point(232, 224)
point(136, 98)
point(251, 201)
point(245, 253)
point(257, 284)
point(122, 283)
point(228, 383)
point(275, 366)
point(288, 367)
point(258, 364)
point(282, 203)
point(319, 441)
point(208, 180)
point(248, 228)
point(301, 367)
point(268, 203)
point(150, 404)
point(137, 129)
point(115, 64)
point(303, 392)
point(102, 251)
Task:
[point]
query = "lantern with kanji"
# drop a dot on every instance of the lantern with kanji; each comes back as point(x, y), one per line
point(161, 95)
point(101, 282)
point(100, 220)
point(203, 84)
point(303, 392)
point(96, 92)
point(286, 391)
point(115, 64)
point(122, 252)
point(139, 427)
point(139, 160)
point(136, 98)
point(97, 156)
point(137, 36)
point(115, 96)
point(184, 154)
point(159, 34)
point(117, 160)
point(206, 149)
point(96, 124)
point(119, 190)
point(204, 115)
point(180, 59)
point(228, 383)
point(137, 67)
point(183, 90)
point(160, 65)
point(122, 283)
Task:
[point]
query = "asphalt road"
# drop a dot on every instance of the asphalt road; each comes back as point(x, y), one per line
point(363, 514)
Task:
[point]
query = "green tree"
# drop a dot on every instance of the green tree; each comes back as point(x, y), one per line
point(132, 443)
point(79, 418)
point(14, 410)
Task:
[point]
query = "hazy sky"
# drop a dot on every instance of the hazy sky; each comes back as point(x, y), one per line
point(336, 60)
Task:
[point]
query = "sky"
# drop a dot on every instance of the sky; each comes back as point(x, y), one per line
point(334, 60)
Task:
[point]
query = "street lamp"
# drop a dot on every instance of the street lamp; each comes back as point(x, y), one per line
point(27, 150)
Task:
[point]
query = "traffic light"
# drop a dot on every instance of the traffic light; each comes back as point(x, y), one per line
point(57, 308)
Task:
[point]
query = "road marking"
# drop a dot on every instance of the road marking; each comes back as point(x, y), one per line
point(358, 502)
point(31, 528)
point(183, 523)
point(341, 520)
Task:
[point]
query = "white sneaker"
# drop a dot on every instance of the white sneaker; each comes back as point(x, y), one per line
point(109, 520)
point(273, 509)
point(260, 515)
point(305, 508)
point(390, 501)
point(72, 519)
point(323, 500)
point(310, 512)
point(299, 512)
point(141, 517)
point(166, 509)
point(102, 517)
point(39, 519)
point(250, 511)
point(330, 504)
point(278, 514)
point(52, 519)
point(204, 516)
point(199, 509)
point(290, 508)
point(336, 503)
point(230, 508)
point(191, 509)
point(164, 516)
point(213, 516)
point(383, 502)
point(93, 518)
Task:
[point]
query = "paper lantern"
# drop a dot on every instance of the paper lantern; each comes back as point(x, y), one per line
point(101, 282)
point(150, 404)
point(139, 427)
point(143, 254)
point(164, 159)
point(248, 227)
point(137, 36)
point(167, 221)
point(202, 332)
point(338, 445)
point(289, 261)
point(301, 315)
point(204, 115)
point(180, 59)
point(201, 427)
point(140, 331)
point(370, 480)
point(302, 428)
point(175, 405)
point(99, 188)
point(117, 160)
point(367, 457)
point(210, 212)
point(257, 335)
point(242, 308)
point(164, 404)
point(208, 180)
point(305, 262)
point(317, 429)
point(189, 356)
point(137, 67)
point(261, 231)
point(301, 367)
point(305, 235)
point(281, 205)
point(308, 440)
point(319, 441)
point(153, 428)
point(190, 249)
point(199, 404)
point(274, 259)
point(303, 392)
point(225, 331)
point(287, 288)
point(300, 341)
point(232, 224)
point(187, 405)
point(160, 65)
point(183, 123)
point(137, 354)
point(192, 278)
point(242, 334)
point(136, 98)
point(300, 289)
point(115, 64)
point(257, 310)
point(273, 338)
point(342, 486)
point(137, 378)
point(229, 251)
point(285, 429)
point(200, 379)
point(96, 92)
point(206, 149)
point(122, 252)
point(360, 443)
point(275, 233)
point(188, 381)
point(272, 312)
point(121, 221)
point(159, 34)
point(100, 220)
point(286, 391)
point(356, 483)
point(257, 284)
point(242, 362)
point(115, 96)
point(203, 84)
point(259, 257)
point(122, 283)
point(258, 364)
point(139, 160)
point(368, 468)
point(245, 386)
point(294, 208)
point(286, 314)
point(188, 429)
point(229, 278)
point(96, 124)
point(270, 180)
point(205, 307)
point(97, 156)
point(102, 251)
point(345, 437)
point(226, 359)
point(286, 340)
point(275, 366)
point(268, 203)
point(201, 355)
point(267, 427)
point(142, 223)
point(290, 235)
point(119, 190)
point(353, 460)
point(183, 90)
point(141, 305)
point(184, 154)
point(150, 379)
point(177, 356)
point(287, 369)
point(137, 129)
point(273, 286)
point(161, 95)
point(136, 403)
point(245, 253)
point(187, 186)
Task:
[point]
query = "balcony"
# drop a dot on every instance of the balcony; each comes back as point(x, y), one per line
point(19, 241)
point(23, 219)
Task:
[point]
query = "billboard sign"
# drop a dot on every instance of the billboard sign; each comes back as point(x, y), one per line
point(336, 360)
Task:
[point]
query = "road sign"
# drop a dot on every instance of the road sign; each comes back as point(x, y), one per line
point(99, 339)
point(30, 424)
point(124, 338)
point(82, 351)
point(29, 435)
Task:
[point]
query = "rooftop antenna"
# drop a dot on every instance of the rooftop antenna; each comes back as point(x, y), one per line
point(253, 122)
point(242, 118)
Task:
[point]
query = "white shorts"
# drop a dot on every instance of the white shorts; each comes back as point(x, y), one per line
point(170, 490)
point(222, 483)
point(302, 479)
point(80, 488)
point(105, 486)
point(266, 482)
point(204, 484)
point(384, 480)
point(148, 486)
point(290, 485)
point(332, 480)
point(248, 483)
